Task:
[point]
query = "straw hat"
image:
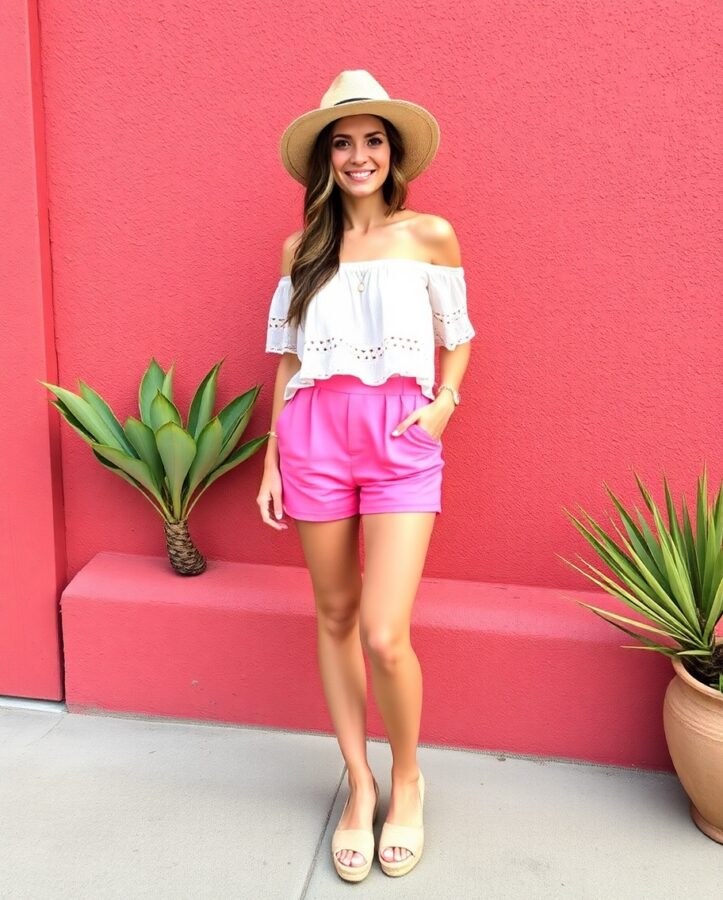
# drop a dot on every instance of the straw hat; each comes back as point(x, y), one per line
point(355, 91)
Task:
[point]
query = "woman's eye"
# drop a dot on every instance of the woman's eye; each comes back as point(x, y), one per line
point(338, 144)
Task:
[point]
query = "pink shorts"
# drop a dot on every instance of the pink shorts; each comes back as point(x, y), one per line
point(339, 458)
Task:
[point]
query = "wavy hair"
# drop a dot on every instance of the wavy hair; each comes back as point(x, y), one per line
point(317, 256)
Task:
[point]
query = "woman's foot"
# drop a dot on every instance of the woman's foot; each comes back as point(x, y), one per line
point(404, 809)
point(359, 812)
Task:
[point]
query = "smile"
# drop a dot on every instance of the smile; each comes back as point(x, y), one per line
point(359, 176)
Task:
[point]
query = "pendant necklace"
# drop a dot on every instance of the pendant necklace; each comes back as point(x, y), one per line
point(360, 287)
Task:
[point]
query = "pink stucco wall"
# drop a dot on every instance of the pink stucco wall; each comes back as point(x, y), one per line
point(32, 533)
point(579, 164)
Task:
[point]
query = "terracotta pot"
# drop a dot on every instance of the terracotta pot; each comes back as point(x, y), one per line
point(693, 722)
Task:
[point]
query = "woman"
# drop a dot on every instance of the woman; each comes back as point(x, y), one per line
point(368, 289)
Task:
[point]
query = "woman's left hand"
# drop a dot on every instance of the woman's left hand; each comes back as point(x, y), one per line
point(432, 417)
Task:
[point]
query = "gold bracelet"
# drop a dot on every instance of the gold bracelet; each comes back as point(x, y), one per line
point(453, 392)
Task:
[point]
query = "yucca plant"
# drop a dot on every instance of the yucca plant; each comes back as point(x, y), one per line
point(673, 578)
point(171, 465)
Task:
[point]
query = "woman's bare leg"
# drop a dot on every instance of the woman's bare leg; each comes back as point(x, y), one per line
point(331, 550)
point(395, 546)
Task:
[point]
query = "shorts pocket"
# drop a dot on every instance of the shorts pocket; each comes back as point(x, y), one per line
point(417, 429)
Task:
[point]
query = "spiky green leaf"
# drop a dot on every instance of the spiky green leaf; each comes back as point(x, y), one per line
point(162, 411)
point(208, 448)
point(167, 386)
point(124, 475)
point(143, 439)
point(203, 401)
point(107, 415)
point(86, 415)
point(74, 423)
point(152, 381)
point(136, 468)
point(177, 449)
point(238, 456)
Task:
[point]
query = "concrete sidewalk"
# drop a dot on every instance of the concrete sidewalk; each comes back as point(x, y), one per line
point(103, 807)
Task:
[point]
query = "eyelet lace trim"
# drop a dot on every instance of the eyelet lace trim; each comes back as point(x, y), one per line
point(450, 317)
point(323, 345)
point(277, 321)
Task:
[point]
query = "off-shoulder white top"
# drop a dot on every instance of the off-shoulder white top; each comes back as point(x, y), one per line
point(406, 309)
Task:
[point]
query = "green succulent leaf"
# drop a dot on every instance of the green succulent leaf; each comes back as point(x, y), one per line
point(674, 623)
point(208, 448)
point(651, 645)
point(610, 616)
point(74, 423)
point(236, 408)
point(136, 468)
point(715, 612)
point(644, 543)
point(695, 575)
point(143, 439)
point(238, 456)
point(701, 540)
point(152, 382)
point(203, 402)
point(678, 579)
point(160, 509)
point(651, 543)
point(177, 450)
point(234, 418)
point(86, 415)
point(163, 410)
point(167, 386)
point(712, 555)
point(107, 415)
point(674, 529)
point(625, 568)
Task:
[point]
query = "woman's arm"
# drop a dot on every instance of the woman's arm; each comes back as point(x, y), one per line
point(289, 363)
point(452, 363)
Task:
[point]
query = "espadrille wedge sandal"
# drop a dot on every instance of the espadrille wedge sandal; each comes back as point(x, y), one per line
point(407, 836)
point(360, 840)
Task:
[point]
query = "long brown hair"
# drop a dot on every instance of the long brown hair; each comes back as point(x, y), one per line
point(317, 256)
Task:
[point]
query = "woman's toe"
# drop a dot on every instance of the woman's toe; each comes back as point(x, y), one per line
point(350, 858)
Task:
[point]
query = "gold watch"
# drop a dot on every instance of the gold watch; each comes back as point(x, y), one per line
point(455, 394)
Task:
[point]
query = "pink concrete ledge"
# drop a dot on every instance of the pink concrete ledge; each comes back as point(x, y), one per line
point(506, 667)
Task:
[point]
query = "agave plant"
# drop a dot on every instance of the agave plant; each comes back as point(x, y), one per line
point(171, 465)
point(673, 578)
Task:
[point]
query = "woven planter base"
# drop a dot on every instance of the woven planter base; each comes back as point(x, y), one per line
point(182, 552)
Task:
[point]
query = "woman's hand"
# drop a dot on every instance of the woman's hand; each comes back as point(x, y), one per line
point(432, 417)
point(270, 493)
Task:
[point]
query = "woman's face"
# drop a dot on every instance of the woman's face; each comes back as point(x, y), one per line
point(359, 144)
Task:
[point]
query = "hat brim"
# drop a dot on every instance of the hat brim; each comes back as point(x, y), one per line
point(417, 126)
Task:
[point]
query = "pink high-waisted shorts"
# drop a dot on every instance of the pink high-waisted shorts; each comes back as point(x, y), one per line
point(339, 458)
